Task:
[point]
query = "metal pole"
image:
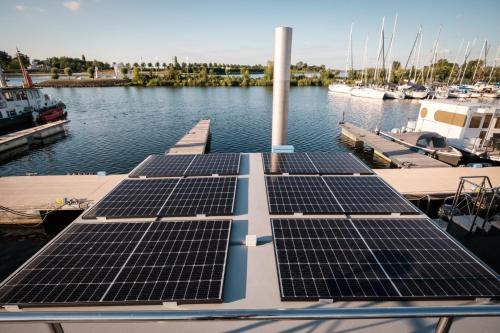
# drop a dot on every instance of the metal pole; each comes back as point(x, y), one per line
point(281, 84)
point(250, 314)
point(444, 324)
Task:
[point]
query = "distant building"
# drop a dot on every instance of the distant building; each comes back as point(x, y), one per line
point(35, 65)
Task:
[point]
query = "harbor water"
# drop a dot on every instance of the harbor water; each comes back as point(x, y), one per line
point(113, 129)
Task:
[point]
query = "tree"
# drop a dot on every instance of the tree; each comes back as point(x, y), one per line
point(176, 63)
point(143, 64)
point(157, 64)
point(124, 71)
point(268, 72)
point(83, 58)
point(68, 71)
point(54, 71)
point(245, 77)
point(164, 65)
point(135, 74)
point(90, 70)
point(150, 65)
point(5, 59)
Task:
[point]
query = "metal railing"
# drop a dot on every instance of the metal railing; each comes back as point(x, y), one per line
point(444, 313)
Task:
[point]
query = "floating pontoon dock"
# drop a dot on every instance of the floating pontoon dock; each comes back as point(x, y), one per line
point(195, 141)
point(390, 151)
point(28, 136)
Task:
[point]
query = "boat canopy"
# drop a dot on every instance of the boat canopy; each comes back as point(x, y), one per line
point(429, 140)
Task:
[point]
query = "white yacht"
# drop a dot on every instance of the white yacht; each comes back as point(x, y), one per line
point(368, 92)
point(473, 128)
point(341, 88)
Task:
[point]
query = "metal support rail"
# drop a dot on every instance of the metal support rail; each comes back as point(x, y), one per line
point(444, 313)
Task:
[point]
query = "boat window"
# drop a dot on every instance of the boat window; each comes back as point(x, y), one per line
point(450, 118)
point(9, 96)
point(423, 112)
point(497, 124)
point(475, 122)
point(487, 121)
point(423, 142)
point(439, 142)
point(11, 113)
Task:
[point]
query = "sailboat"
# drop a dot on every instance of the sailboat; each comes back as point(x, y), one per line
point(391, 90)
point(368, 91)
point(342, 87)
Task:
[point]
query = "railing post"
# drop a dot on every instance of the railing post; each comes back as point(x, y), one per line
point(56, 327)
point(443, 325)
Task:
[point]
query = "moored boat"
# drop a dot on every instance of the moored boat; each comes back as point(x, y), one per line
point(368, 92)
point(416, 91)
point(341, 88)
point(429, 143)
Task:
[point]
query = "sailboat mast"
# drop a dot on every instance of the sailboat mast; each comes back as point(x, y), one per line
point(466, 59)
point(434, 56)
point(349, 54)
point(478, 60)
point(494, 65)
point(412, 52)
point(365, 69)
point(380, 42)
point(418, 57)
point(455, 61)
point(389, 55)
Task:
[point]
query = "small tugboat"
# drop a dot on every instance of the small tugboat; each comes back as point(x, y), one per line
point(27, 104)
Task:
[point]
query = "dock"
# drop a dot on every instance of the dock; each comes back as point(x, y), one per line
point(13, 143)
point(194, 142)
point(390, 151)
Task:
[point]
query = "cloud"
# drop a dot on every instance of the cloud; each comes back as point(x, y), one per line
point(20, 8)
point(23, 8)
point(72, 5)
point(40, 10)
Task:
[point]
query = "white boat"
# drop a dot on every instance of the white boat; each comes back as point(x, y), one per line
point(459, 92)
point(429, 143)
point(368, 92)
point(440, 93)
point(392, 92)
point(473, 128)
point(416, 91)
point(341, 88)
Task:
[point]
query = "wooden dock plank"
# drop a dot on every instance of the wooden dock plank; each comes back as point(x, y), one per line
point(195, 141)
point(389, 150)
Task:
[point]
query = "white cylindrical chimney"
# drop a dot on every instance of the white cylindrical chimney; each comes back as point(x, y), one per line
point(281, 84)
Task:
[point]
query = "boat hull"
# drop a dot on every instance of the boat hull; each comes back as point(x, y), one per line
point(416, 94)
point(18, 120)
point(390, 94)
point(51, 114)
point(340, 88)
point(368, 93)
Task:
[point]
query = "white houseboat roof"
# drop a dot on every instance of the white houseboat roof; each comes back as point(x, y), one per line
point(251, 282)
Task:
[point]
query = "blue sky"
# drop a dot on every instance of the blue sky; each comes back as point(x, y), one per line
point(238, 31)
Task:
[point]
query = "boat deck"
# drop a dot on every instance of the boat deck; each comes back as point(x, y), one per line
point(252, 283)
point(390, 151)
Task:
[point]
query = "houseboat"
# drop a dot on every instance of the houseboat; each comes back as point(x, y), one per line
point(472, 128)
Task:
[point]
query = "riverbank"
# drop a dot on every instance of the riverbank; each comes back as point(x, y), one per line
point(91, 83)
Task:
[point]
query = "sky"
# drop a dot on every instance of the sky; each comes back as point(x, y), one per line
point(241, 32)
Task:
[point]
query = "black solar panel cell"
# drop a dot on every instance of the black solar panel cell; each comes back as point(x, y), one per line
point(217, 163)
point(292, 163)
point(338, 163)
point(300, 194)
point(163, 166)
point(133, 262)
point(381, 259)
point(134, 198)
point(197, 196)
point(370, 195)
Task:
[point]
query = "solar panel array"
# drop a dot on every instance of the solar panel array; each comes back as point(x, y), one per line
point(188, 165)
point(334, 163)
point(135, 262)
point(383, 259)
point(167, 197)
point(334, 195)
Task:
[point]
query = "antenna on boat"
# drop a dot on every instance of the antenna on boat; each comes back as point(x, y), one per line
point(27, 82)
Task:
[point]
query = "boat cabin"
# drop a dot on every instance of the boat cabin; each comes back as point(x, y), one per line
point(473, 127)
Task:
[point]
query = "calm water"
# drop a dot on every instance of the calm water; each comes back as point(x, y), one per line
point(113, 129)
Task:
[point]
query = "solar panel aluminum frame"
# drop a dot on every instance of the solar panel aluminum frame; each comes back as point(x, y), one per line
point(138, 167)
point(144, 164)
point(379, 298)
point(118, 303)
point(368, 171)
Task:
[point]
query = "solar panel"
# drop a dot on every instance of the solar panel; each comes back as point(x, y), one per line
point(291, 163)
point(367, 259)
point(371, 195)
point(134, 198)
point(210, 164)
point(196, 196)
point(300, 194)
point(106, 263)
point(163, 166)
point(338, 163)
